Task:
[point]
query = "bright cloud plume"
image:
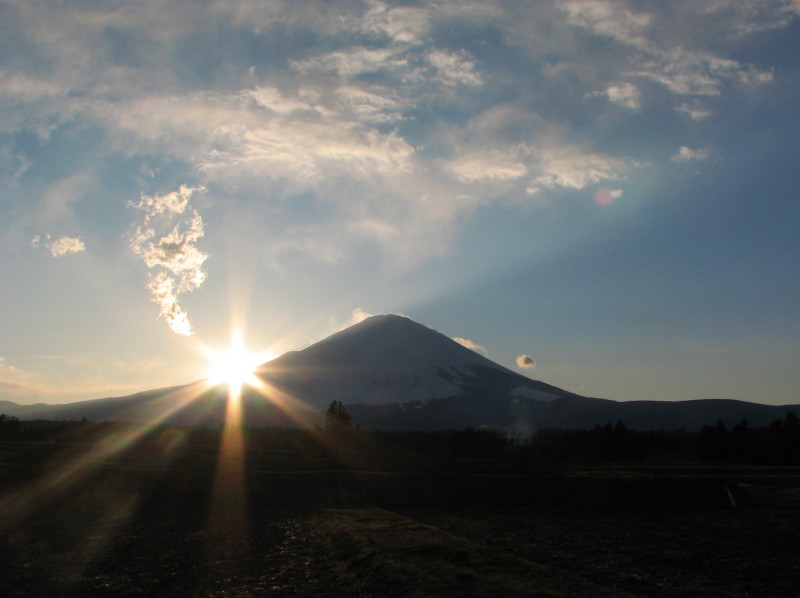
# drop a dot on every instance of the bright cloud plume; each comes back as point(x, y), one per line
point(166, 240)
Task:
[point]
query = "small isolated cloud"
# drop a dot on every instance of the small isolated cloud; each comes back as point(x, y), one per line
point(61, 246)
point(687, 154)
point(471, 345)
point(623, 94)
point(695, 111)
point(526, 361)
point(177, 227)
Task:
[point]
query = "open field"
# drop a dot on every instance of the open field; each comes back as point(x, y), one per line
point(76, 520)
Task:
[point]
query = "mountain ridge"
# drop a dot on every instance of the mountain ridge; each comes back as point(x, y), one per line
point(395, 374)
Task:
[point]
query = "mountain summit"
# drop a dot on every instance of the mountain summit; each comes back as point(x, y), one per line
point(391, 359)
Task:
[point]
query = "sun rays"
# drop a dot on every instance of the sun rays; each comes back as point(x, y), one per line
point(159, 444)
point(235, 366)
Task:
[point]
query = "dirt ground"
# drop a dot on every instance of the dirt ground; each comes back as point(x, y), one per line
point(146, 529)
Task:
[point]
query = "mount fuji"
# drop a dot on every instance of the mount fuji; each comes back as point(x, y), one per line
point(391, 359)
point(392, 373)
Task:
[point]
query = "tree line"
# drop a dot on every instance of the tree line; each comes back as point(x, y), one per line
point(776, 444)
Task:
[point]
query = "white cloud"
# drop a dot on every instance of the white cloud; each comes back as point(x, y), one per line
point(695, 111)
point(610, 19)
point(624, 94)
point(355, 61)
point(373, 104)
point(174, 252)
point(576, 168)
point(465, 342)
point(340, 121)
point(747, 17)
point(687, 154)
point(273, 99)
point(454, 68)
point(262, 133)
point(403, 24)
point(523, 153)
point(64, 245)
point(698, 73)
point(659, 53)
point(494, 166)
point(526, 361)
point(61, 246)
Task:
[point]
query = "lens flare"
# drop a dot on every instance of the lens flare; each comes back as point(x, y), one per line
point(606, 196)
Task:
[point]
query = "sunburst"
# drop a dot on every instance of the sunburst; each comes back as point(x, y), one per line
point(235, 367)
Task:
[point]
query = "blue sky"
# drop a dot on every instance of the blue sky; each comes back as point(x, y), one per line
point(608, 187)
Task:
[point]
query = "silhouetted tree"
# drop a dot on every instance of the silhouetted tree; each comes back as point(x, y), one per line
point(339, 426)
point(337, 416)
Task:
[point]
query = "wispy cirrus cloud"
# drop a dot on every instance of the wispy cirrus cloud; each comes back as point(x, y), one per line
point(746, 17)
point(535, 157)
point(662, 54)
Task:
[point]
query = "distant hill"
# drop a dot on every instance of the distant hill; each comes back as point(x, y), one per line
point(395, 374)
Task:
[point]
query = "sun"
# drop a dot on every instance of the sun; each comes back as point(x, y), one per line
point(235, 367)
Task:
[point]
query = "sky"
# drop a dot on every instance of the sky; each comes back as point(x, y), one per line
point(599, 194)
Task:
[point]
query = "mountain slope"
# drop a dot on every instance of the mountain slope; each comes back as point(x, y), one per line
point(392, 359)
